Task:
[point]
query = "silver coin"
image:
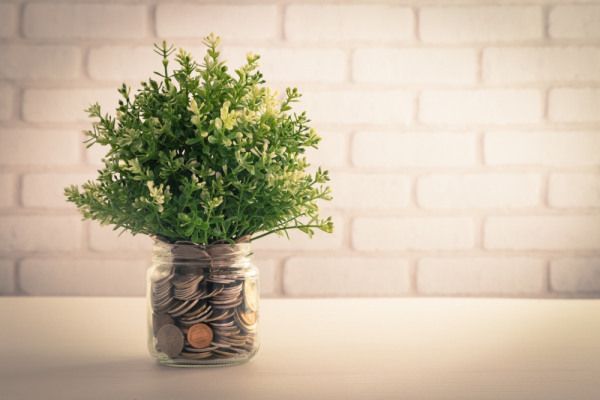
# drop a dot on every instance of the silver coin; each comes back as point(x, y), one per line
point(159, 320)
point(170, 340)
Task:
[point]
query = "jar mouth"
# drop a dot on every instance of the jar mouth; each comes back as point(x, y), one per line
point(213, 255)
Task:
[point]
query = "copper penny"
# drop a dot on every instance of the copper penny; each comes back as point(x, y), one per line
point(200, 336)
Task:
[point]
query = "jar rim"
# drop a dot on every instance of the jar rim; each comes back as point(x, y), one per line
point(215, 252)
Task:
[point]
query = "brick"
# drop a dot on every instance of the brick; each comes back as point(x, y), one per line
point(294, 65)
point(104, 238)
point(370, 191)
point(106, 63)
point(337, 23)
point(7, 95)
point(395, 150)
point(332, 151)
point(359, 106)
point(65, 105)
point(575, 22)
point(40, 233)
point(574, 190)
point(481, 276)
point(543, 233)
point(345, 276)
point(85, 21)
point(9, 19)
point(231, 22)
point(47, 189)
point(574, 105)
point(301, 241)
point(413, 233)
point(7, 273)
point(79, 276)
point(482, 106)
point(479, 191)
point(8, 184)
point(542, 148)
point(415, 66)
point(267, 273)
point(39, 147)
point(40, 62)
point(480, 24)
point(575, 275)
point(546, 64)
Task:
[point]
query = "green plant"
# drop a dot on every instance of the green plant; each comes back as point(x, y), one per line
point(204, 156)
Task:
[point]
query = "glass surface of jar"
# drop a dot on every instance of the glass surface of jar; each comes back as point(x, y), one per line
point(202, 304)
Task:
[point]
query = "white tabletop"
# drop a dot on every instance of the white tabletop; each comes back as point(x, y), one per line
point(95, 348)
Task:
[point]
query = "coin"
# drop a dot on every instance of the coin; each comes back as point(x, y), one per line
point(170, 340)
point(251, 294)
point(206, 308)
point(200, 336)
point(159, 320)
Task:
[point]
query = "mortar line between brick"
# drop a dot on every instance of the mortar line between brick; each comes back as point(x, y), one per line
point(413, 276)
point(548, 278)
point(17, 277)
point(279, 277)
point(546, 21)
point(19, 191)
point(281, 11)
point(152, 20)
point(544, 190)
point(479, 78)
point(417, 18)
point(21, 20)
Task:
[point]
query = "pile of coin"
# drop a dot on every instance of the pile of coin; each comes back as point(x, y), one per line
point(204, 313)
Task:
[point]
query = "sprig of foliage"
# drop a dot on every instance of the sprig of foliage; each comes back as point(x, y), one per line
point(204, 156)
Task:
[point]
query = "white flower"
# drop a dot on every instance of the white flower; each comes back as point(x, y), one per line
point(157, 194)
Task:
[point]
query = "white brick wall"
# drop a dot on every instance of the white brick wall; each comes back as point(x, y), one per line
point(7, 94)
point(233, 22)
point(486, 24)
point(542, 148)
point(64, 105)
point(359, 106)
point(85, 21)
point(483, 106)
point(60, 62)
point(47, 189)
point(413, 233)
point(348, 23)
point(394, 150)
point(479, 191)
point(574, 105)
point(79, 276)
point(294, 65)
point(574, 190)
point(500, 276)
point(8, 193)
point(349, 276)
point(575, 22)
point(576, 275)
point(27, 147)
point(462, 138)
point(541, 64)
point(8, 20)
point(32, 233)
point(415, 66)
point(543, 233)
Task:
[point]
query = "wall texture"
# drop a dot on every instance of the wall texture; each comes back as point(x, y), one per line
point(462, 138)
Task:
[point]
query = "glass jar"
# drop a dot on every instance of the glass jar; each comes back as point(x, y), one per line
point(202, 304)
